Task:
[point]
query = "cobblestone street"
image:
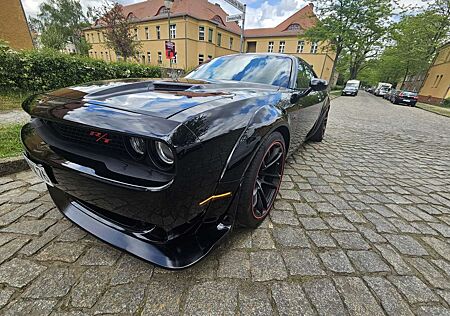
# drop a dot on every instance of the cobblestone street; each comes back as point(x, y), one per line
point(361, 227)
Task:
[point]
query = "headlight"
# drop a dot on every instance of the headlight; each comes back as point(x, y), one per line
point(138, 145)
point(164, 153)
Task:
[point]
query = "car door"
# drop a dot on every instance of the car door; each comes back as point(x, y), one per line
point(309, 105)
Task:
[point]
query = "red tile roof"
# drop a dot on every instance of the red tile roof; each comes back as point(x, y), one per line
point(205, 10)
point(305, 18)
point(199, 9)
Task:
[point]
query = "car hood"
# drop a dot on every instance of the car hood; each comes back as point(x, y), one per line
point(160, 98)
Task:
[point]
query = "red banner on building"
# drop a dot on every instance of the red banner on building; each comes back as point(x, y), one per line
point(170, 50)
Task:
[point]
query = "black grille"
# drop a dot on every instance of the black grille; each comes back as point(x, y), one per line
point(92, 136)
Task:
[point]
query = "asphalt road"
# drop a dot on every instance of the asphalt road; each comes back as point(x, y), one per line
point(362, 227)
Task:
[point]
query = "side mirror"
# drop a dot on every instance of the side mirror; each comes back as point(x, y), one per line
point(317, 84)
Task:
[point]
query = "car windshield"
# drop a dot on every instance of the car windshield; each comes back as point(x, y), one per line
point(352, 85)
point(265, 69)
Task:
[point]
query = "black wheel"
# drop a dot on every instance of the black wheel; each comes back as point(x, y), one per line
point(395, 101)
point(262, 182)
point(320, 132)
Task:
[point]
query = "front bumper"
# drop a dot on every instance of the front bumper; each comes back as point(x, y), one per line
point(165, 225)
point(177, 253)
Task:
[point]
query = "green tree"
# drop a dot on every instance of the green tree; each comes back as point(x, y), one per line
point(117, 30)
point(354, 27)
point(60, 22)
point(53, 38)
point(414, 42)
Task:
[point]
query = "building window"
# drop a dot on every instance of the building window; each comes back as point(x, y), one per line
point(101, 54)
point(437, 81)
point(210, 35)
point(98, 35)
point(149, 57)
point(210, 57)
point(219, 39)
point(201, 33)
point(159, 58)
point(174, 59)
point(294, 27)
point(300, 46)
point(147, 33)
point(282, 47)
point(158, 32)
point(107, 56)
point(143, 59)
point(231, 43)
point(201, 59)
point(314, 46)
point(95, 54)
point(173, 30)
point(270, 48)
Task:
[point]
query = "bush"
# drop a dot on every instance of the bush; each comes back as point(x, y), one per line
point(37, 71)
point(337, 87)
point(446, 102)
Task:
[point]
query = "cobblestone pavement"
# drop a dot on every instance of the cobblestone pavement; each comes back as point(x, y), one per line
point(362, 227)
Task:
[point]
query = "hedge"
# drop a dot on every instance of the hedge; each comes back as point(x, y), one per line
point(35, 71)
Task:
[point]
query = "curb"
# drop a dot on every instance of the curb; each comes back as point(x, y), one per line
point(12, 165)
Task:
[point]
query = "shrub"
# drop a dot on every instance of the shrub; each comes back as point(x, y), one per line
point(446, 102)
point(38, 71)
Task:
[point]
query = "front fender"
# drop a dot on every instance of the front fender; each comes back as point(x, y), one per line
point(266, 120)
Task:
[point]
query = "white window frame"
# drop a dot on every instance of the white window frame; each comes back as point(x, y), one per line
point(158, 32)
point(201, 33)
point(231, 42)
point(149, 57)
point(159, 57)
point(270, 47)
point(314, 47)
point(282, 47)
point(300, 46)
point(147, 33)
point(201, 59)
point(173, 30)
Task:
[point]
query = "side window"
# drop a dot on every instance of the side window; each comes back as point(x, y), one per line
point(304, 76)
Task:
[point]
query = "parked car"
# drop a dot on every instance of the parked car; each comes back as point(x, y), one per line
point(389, 94)
point(164, 169)
point(404, 97)
point(381, 91)
point(351, 88)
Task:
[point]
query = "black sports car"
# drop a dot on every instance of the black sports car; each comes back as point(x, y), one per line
point(165, 168)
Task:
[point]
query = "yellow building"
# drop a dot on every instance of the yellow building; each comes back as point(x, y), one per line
point(436, 86)
point(13, 25)
point(200, 32)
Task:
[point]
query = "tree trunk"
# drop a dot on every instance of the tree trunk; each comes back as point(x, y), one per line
point(333, 70)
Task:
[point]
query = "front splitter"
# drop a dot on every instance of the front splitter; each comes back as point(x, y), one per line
point(178, 253)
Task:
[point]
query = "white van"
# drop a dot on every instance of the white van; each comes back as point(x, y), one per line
point(351, 87)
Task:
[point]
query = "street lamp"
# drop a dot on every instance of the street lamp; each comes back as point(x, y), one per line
point(168, 4)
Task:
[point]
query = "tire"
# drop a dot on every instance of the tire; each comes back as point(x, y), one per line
point(395, 101)
point(258, 182)
point(320, 132)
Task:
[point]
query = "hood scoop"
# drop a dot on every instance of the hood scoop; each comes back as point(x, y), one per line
point(174, 86)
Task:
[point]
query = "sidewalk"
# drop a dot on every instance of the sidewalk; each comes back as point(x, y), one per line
point(433, 108)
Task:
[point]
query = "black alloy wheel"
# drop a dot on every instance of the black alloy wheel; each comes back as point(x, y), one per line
point(268, 180)
point(262, 182)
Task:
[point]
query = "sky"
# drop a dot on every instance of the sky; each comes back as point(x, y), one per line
point(260, 13)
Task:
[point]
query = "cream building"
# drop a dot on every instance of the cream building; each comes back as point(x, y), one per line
point(436, 86)
point(200, 32)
